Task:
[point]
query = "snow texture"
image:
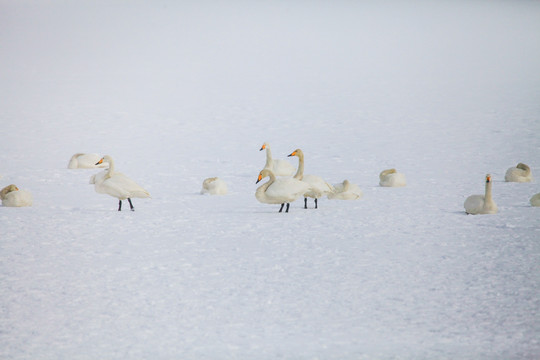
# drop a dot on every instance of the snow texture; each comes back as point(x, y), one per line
point(178, 91)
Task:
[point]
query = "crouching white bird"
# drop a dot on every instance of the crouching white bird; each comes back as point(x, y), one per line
point(117, 185)
point(13, 197)
point(280, 191)
point(85, 161)
point(481, 204)
point(519, 173)
point(392, 178)
point(214, 186)
point(345, 191)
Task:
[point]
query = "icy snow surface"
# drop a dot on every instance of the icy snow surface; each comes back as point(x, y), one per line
point(178, 91)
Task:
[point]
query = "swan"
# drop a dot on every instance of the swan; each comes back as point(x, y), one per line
point(85, 161)
point(278, 167)
point(535, 200)
point(319, 187)
point(279, 191)
point(13, 197)
point(214, 186)
point(345, 191)
point(519, 173)
point(116, 184)
point(392, 178)
point(481, 204)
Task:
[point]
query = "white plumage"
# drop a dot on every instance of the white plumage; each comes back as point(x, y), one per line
point(345, 191)
point(535, 200)
point(214, 186)
point(519, 173)
point(279, 191)
point(85, 161)
point(278, 167)
point(117, 185)
point(481, 204)
point(392, 178)
point(13, 197)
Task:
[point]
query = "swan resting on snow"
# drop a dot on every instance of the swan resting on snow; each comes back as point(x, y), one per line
point(214, 186)
point(85, 161)
point(319, 187)
point(481, 204)
point(345, 191)
point(519, 173)
point(278, 167)
point(392, 178)
point(116, 184)
point(279, 191)
point(13, 197)
point(535, 200)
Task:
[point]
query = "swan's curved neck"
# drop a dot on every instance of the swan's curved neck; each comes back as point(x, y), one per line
point(300, 172)
point(261, 190)
point(269, 161)
point(110, 170)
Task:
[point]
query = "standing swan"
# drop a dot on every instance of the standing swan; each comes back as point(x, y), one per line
point(392, 178)
point(214, 186)
point(519, 173)
point(85, 161)
point(13, 197)
point(481, 204)
point(319, 187)
point(117, 185)
point(279, 191)
point(345, 191)
point(278, 167)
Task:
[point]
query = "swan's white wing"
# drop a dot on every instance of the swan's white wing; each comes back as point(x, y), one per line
point(474, 204)
point(287, 189)
point(18, 198)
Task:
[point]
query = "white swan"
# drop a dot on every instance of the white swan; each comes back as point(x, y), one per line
point(279, 191)
point(85, 161)
point(392, 178)
point(214, 186)
point(278, 167)
point(481, 204)
point(535, 200)
point(319, 187)
point(519, 173)
point(345, 191)
point(117, 185)
point(13, 197)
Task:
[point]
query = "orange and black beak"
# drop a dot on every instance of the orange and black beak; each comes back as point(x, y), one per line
point(292, 154)
point(263, 147)
point(259, 178)
point(488, 178)
point(100, 161)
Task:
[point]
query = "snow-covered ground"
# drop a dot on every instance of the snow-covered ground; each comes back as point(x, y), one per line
point(175, 92)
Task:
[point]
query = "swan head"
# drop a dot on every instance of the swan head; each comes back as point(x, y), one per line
point(297, 152)
point(264, 173)
point(7, 190)
point(106, 159)
point(387, 172)
point(264, 146)
point(523, 166)
point(488, 178)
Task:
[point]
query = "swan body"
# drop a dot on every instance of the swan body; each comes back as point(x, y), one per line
point(519, 173)
point(214, 186)
point(279, 191)
point(535, 200)
point(278, 167)
point(392, 178)
point(481, 204)
point(318, 187)
point(117, 185)
point(345, 191)
point(13, 197)
point(85, 161)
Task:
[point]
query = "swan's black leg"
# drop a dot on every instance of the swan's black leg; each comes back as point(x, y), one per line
point(305, 203)
point(281, 208)
point(316, 203)
point(131, 205)
point(287, 210)
point(119, 205)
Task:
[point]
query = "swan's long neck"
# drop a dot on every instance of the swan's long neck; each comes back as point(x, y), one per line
point(110, 170)
point(526, 169)
point(300, 172)
point(260, 193)
point(269, 161)
point(488, 196)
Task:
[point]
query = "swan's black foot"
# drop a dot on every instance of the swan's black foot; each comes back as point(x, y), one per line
point(131, 205)
point(119, 205)
point(287, 210)
point(316, 204)
point(281, 208)
point(305, 203)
